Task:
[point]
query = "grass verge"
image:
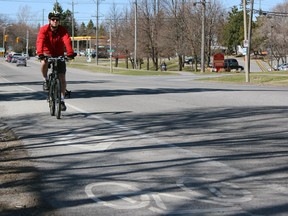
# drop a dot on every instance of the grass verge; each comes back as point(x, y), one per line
point(276, 78)
point(266, 78)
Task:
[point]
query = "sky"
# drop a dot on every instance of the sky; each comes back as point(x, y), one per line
point(85, 10)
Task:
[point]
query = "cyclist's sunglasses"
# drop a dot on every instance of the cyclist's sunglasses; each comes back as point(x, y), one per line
point(53, 19)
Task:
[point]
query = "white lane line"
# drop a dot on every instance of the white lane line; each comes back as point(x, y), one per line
point(20, 86)
point(91, 143)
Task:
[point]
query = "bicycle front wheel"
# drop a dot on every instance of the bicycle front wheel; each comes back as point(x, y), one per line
point(57, 96)
point(51, 98)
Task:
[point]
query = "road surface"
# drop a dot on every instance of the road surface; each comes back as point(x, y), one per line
point(157, 145)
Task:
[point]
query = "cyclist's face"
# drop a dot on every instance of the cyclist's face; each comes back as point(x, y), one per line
point(54, 22)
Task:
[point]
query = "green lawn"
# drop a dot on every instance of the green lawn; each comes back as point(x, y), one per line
point(275, 78)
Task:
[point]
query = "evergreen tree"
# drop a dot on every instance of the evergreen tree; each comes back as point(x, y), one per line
point(90, 29)
point(82, 31)
point(233, 32)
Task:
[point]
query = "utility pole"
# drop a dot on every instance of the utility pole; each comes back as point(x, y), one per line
point(135, 37)
point(27, 42)
point(97, 19)
point(203, 2)
point(73, 25)
point(245, 35)
point(203, 37)
point(249, 39)
point(56, 6)
point(271, 52)
point(110, 41)
point(43, 17)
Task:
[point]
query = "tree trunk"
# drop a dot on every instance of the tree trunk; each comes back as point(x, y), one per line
point(148, 63)
point(116, 62)
point(180, 58)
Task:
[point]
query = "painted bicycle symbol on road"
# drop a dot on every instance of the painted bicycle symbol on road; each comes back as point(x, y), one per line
point(121, 196)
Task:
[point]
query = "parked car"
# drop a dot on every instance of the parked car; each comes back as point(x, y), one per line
point(82, 53)
point(9, 57)
point(26, 56)
point(281, 67)
point(191, 60)
point(284, 67)
point(21, 61)
point(232, 64)
point(15, 56)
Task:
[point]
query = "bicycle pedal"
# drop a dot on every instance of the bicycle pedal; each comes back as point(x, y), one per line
point(67, 94)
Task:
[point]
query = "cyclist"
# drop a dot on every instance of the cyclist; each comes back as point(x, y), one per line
point(51, 41)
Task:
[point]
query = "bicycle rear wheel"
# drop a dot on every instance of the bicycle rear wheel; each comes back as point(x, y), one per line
point(57, 97)
point(51, 98)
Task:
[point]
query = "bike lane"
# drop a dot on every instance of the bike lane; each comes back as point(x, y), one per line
point(91, 164)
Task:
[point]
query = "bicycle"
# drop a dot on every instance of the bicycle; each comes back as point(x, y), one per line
point(54, 92)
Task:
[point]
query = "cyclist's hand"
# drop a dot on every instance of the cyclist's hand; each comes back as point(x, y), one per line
point(41, 57)
point(70, 57)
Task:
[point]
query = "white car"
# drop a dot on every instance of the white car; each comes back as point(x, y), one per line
point(15, 56)
point(281, 67)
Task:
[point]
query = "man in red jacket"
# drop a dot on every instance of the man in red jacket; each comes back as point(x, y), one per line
point(51, 41)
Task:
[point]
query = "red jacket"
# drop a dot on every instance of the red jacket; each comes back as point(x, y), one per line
point(53, 43)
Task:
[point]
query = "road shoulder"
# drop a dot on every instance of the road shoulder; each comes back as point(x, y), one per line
point(19, 179)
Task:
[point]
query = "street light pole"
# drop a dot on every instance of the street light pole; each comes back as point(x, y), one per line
point(4, 29)
point(4, 26)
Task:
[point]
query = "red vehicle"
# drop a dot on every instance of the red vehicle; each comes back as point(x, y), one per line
point(8, 57)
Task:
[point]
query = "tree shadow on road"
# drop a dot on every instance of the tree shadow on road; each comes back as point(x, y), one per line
point(137, 152)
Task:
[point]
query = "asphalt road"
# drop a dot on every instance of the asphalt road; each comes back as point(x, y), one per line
point(152, 145)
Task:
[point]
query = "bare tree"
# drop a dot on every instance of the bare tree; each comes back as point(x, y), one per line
point(176, 28)
point(24, 14)
point(272, 28)
point(215, 20)
point(115, 17)
point(126, 36)
point(148, 31)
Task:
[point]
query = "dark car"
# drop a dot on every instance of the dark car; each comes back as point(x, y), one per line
point(232, 64)
point(21, 61)
point(191, 60)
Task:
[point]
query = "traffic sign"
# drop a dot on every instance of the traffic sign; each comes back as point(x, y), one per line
point(246, 43)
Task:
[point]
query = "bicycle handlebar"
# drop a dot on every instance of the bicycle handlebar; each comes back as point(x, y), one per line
point(53, 59)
